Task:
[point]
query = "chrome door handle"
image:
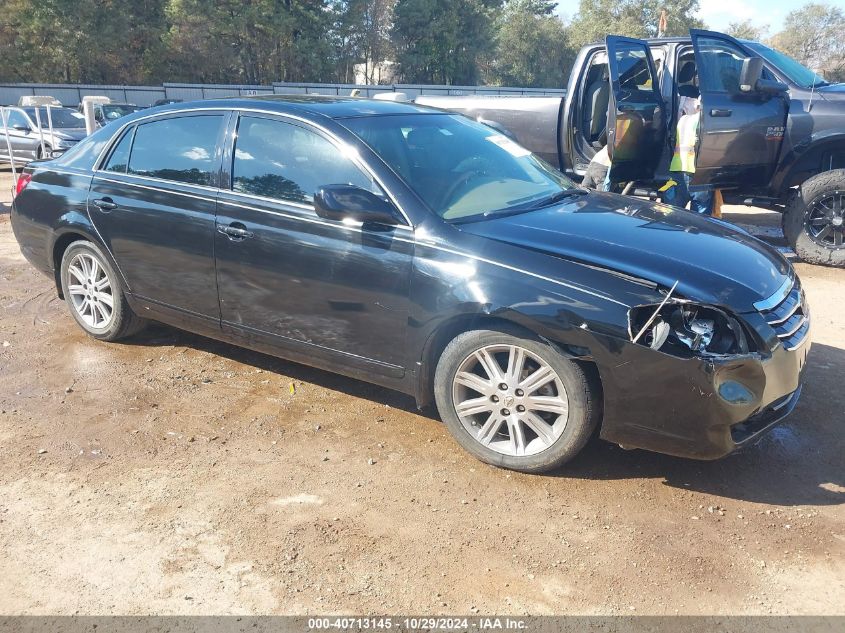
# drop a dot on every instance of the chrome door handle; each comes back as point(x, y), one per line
point(235, 231)
point(720, 113)
point(105, 204)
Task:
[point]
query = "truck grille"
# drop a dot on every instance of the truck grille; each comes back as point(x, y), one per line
point(790, 319)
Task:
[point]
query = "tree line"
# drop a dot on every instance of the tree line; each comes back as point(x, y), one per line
point(456, 42)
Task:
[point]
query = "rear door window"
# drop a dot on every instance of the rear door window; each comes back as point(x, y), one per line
point(283, 161)
point(181, 149)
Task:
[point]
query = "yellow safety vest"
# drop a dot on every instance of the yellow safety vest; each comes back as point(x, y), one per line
point(687, 137)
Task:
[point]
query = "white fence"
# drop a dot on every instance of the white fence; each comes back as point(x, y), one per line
point(71, 94)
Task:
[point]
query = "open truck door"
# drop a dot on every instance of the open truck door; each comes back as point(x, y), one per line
point(743, 114)
point(636, 124)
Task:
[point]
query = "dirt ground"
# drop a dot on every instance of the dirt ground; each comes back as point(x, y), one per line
point(172, 474)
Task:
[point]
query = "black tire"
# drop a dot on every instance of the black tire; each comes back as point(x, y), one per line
point(47, 152)
point(123, 321)
point(582, 394)
point(795, 218)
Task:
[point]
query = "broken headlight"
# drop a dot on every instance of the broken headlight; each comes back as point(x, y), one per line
point(686, 329)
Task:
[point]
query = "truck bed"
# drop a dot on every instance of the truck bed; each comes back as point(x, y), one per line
point(533, 121)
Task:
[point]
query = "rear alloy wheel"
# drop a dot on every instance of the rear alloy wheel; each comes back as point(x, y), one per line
point(93, 295)
point(90, 291)
point(514, 401)
point(814, 222)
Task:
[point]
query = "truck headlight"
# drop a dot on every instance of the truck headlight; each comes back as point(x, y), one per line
point(687, 329)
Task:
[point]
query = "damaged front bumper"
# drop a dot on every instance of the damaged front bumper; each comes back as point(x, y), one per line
point(699, 407)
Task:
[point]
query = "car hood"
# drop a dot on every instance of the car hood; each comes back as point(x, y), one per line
point(70, 133)
point(711, 261)
point(832, 92)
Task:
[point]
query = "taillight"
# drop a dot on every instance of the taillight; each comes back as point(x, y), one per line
point(23, 181)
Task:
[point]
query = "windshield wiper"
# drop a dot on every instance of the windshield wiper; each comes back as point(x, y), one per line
point(522, 208)
point(575, 192)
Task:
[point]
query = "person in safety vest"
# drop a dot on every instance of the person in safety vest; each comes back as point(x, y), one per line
point(682, 167)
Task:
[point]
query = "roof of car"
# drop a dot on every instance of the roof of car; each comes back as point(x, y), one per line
point(334, 107)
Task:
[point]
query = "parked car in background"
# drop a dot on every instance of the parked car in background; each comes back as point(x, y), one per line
point(160, 102)
point(105, 113)
point(423, 251)
point(772, 131)
point(25, 139)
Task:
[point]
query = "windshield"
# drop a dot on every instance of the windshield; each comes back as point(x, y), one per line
point(112, 112)
point(62, 117)
point(797, 73)
point(461, 169)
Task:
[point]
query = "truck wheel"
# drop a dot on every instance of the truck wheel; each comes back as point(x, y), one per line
point(814, 221)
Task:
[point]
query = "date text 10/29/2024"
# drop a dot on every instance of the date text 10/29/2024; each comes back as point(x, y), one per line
point(421, 623)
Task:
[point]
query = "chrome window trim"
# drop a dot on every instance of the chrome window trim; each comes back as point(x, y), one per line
point(304, 218)
point(135, 184)
point(308, 122)
point(252, 196)
point(290, 203)
point(214, 190)
point(778, 296)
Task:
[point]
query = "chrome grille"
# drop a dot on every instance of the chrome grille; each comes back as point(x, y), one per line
point(790, 318)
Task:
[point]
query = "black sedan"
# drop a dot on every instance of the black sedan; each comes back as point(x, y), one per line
point(427, 253)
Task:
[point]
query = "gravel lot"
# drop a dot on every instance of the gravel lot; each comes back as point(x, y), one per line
point(173, 474)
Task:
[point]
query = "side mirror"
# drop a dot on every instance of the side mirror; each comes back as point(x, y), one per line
point(751, 73)
point(20, 127)
point(348, 202)
point(771, 87)
point(751, 78)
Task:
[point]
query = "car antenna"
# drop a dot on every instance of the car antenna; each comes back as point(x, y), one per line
point(812, 91)
point(654, 316)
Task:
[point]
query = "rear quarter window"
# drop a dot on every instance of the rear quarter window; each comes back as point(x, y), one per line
point(118, 160)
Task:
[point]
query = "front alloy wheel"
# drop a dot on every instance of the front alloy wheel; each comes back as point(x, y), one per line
point(515, 401)
point(510, 400)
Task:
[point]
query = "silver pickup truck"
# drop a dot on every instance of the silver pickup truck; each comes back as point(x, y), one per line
point(772, 131)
